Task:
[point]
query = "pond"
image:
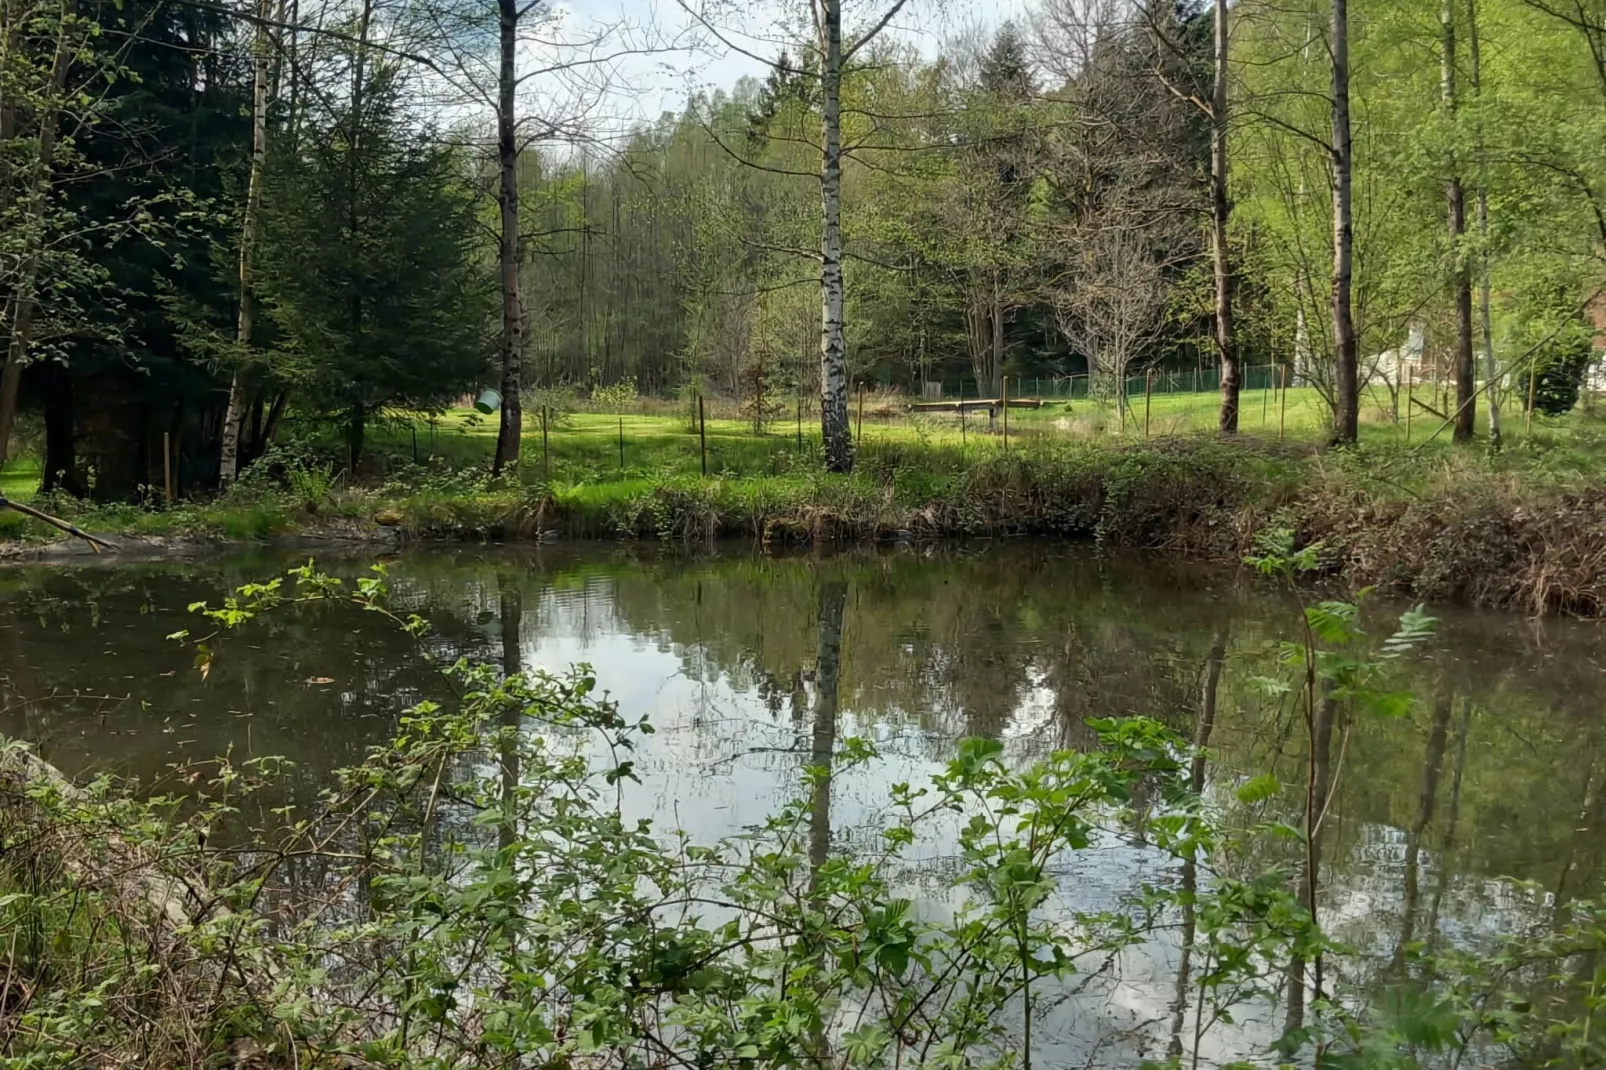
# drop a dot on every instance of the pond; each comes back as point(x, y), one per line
point(1495, 776)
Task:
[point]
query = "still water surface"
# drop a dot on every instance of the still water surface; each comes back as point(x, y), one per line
point(1497, 773)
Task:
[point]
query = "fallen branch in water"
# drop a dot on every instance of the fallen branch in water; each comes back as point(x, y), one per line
point(95, 543)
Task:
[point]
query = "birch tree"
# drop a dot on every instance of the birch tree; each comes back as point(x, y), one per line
point(1491, 368)
point(1346, 384)
point(261, 53)
point(1460, 276)
point(1220, 211)
point(836, 33)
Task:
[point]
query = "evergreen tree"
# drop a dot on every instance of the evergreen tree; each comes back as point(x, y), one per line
point(369, 263)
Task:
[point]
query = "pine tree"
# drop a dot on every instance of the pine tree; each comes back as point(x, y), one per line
point(369, 264)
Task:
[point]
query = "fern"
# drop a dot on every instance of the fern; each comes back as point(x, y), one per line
point(1416, 628)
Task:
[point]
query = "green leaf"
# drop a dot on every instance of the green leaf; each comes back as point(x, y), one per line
point(1258, 789)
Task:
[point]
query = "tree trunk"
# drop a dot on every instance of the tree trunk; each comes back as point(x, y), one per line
point(1466, 383)
point(1317, 792)
point(1346, 385)
point(229, 463)
point(1491, 372)
point(834, 429)
point(1432, 764)
point(61, 471)
point(997, 384)
point(356, 432)
point(1220, 208)
point(510, 619)
point(1204, 725)
point(24, 301)
point(271, 424)
point(511, 428)
point(827, 675)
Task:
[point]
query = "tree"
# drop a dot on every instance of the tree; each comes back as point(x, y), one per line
point(1491, 369)
point(149, 111)
point(34, 82)
point(1347, 395)
point(997, 168)
point(1220, 213)
point(831, 53)
point(1111, 303)
point(1461, 276)
point(1123, 182)
point(261, 92)
point(370, 265)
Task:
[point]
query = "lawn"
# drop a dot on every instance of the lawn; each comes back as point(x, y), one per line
point(19, 480)
point(595, 447)
point(590, 453)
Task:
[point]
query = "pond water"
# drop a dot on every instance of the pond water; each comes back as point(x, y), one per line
point(1496, 773)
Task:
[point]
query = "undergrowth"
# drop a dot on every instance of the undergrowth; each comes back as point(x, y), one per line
point(1525, 529)
point(472, 895)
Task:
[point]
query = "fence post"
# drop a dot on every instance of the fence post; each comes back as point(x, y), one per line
point(1410, 402)
point(1003, 402)
point(1265, 395)
point(1148, 392)
point(859, 431)
point(1282, 404)
point(1533, 381)
point(546, 452)
point(621, 443)
point(702, 433)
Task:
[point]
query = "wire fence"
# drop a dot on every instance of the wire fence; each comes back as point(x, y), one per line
point(1072, 387)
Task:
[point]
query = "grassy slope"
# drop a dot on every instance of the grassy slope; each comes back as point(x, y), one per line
point(1525, 527)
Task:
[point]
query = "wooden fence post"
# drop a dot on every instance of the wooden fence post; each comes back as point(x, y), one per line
point(1282, 404)
point(1003, 402)
point(1533, 384)
point(1148, 392)
point(1410, 402)
point(546, 450)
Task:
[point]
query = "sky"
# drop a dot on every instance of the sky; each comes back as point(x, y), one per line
point(640, 87)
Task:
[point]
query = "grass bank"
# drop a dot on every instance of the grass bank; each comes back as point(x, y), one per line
point(1524, 528)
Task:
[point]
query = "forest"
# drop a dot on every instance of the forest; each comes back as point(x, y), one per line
point(221, 224)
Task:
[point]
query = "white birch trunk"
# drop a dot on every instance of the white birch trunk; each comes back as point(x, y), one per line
point(834, 428)
point(1346, 414)
point(1491, 370)
point(229, 462)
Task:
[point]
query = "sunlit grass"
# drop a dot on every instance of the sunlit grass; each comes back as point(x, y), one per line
point(19, 480)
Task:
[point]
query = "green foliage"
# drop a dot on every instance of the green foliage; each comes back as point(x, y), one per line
point(471, 894)
point(369, 262)
point(1560, 365)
